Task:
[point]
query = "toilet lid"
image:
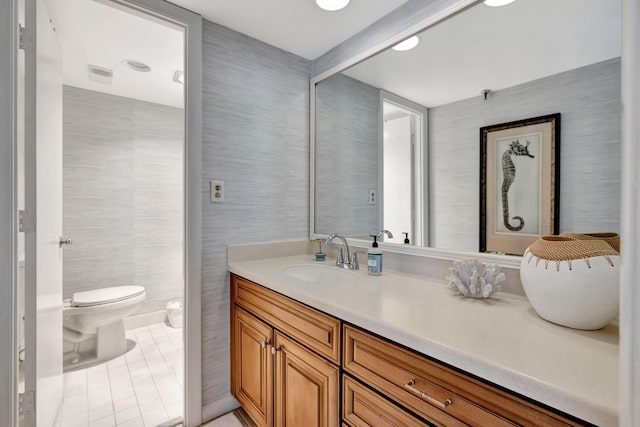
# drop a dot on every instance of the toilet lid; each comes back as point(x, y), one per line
point(105, 295)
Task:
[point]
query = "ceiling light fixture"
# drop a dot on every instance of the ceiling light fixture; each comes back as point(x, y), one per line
point(178, 77)
point(332, 5)
point(497, 3)
point(407, 44)
point(137, 65)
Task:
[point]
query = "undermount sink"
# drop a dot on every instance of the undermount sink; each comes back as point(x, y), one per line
point(320, 273)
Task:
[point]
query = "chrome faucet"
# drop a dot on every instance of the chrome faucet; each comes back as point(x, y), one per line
point(342, 260)
point(387, 232)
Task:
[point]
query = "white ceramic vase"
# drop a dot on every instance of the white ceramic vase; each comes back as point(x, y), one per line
point(573, 283)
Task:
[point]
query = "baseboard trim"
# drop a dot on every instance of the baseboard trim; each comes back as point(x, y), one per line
point(220, 407)
point(146, 319)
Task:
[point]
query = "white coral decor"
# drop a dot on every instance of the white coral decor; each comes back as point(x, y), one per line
point(468, 277)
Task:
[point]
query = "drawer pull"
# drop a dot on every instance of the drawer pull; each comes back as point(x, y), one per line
point(422, 394)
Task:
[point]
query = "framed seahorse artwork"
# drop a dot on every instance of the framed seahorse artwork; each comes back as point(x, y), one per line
point(519, 183)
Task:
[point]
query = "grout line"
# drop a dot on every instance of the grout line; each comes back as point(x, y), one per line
point(152, 341)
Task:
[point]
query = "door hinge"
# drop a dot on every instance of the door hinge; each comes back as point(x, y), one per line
point(26, 402)
point(21, 31)
point(21, 226)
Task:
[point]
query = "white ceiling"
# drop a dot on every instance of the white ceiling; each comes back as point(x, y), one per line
point(95, 32)
point(480, 48)
point(297, 26)
point(494, 48)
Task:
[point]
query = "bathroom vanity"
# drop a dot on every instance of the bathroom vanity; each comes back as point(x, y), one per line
point(356, 350)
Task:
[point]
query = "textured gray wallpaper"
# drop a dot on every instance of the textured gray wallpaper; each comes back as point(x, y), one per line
point(256, 139)
point(347, 115)
point(589, 101)
point(123, 195)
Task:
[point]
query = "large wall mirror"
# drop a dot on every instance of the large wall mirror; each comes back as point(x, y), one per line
point(396, 142)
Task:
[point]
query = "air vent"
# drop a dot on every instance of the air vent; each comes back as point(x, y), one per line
point(100, 75)
point(137, 65)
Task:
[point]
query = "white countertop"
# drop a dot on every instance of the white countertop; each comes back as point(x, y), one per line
point(501, 339)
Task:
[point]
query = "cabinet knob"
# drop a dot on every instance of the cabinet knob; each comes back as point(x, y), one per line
point(274, 350)
point(264, 343)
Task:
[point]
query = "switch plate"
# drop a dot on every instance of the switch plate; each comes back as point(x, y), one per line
point(217, 191)
point(373, 198)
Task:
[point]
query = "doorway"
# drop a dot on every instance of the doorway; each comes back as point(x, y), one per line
point(403, 175)
point(127, 172)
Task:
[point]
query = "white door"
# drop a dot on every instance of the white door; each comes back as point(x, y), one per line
point(43, 206)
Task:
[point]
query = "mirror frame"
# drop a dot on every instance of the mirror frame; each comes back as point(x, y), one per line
point(505, 261)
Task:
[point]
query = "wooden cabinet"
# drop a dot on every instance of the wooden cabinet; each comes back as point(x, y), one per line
point(284, 359)
point(306, 386)
point(252, 366)
point(285, 371)
point(363, 407)
point(439, 394)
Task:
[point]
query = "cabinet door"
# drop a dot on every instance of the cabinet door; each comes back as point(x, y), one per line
point(252, 366)
point(306, 387)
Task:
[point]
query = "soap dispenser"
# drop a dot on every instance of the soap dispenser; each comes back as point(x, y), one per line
point(374, 258)
point(320, 256)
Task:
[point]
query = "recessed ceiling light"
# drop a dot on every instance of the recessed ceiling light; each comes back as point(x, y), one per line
point(407, 44)
point(137, 65)
point(178, 77)
point(332, 5)
point(496, 3)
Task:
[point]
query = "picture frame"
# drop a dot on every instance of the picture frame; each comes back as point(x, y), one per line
point(519, 183)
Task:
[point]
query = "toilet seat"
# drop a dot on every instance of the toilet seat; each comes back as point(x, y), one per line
point(105, 295)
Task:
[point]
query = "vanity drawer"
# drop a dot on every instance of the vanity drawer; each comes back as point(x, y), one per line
point(434, 391)
point(363, 408)
point(316, 330)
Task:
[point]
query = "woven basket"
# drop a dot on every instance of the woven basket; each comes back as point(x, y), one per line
point(564, 248)
point(613, 239)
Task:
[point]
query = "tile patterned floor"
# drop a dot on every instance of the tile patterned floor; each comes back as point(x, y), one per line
point(237, 418)
point(143, 388)
point(228, 420)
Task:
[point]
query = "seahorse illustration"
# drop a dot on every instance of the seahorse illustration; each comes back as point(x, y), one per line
point(508, 176)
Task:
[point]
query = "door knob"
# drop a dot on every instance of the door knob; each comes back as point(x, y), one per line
point(64, 241)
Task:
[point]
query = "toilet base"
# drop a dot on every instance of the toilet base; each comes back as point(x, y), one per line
point(86, 359)
point(111, 341)
point(91, 349)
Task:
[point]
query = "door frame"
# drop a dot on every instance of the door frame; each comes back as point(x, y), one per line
point(8, 213)
point(420, 167)
point(192, 24)
point(192, 331)
point(629, 389)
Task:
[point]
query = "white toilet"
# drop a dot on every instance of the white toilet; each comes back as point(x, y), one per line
point(98, 314)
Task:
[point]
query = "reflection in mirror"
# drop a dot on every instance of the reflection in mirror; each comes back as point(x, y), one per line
point(537, 57)
point(403, 125)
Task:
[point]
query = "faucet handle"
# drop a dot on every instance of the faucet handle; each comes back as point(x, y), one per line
point(354, 259)
point(340, 258)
